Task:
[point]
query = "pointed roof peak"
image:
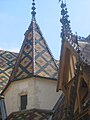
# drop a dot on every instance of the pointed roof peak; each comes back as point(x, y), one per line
point(35, 58)
point(33, 10)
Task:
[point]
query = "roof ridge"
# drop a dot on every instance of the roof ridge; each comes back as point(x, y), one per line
point(8, 51)
point(76, 47)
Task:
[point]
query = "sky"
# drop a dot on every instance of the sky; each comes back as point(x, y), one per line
point(15, 18)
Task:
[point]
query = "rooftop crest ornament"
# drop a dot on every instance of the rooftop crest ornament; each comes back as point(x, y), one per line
point(66, 29)
point(33, 10)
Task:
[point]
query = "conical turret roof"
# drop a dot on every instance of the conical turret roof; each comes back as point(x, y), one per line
point(35, 58)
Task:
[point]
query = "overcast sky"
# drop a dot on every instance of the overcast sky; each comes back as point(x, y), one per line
point(15, 17)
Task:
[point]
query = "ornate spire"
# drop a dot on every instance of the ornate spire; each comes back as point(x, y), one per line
point(66, 29)
point(33, 10)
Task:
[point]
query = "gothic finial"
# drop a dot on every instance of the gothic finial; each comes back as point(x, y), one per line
point(33, 10)
point(65, 1)
point(76, 40)
point(66, 29)
point(62, 1)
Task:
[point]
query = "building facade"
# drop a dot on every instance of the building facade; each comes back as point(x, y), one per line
point(29, 78)
point(74, 72)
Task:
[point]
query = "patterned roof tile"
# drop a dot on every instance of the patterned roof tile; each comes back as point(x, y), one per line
point(85, 49)
point(7, 61)
point(30, 115)
point(35, 58)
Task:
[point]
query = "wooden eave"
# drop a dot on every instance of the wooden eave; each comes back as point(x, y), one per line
point(65, 45)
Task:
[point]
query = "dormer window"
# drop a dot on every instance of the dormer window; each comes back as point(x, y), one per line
point(23, 100)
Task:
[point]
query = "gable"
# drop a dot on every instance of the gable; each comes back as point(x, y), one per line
point(69, 56)
point(67, 64)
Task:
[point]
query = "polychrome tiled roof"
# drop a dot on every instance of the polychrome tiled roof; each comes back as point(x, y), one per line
point(30, 115)
point(85, 48)
point(7, 61)
point(35, 58)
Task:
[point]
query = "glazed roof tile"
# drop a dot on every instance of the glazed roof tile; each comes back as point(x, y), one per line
point(7, 61)
point(35, 58)
point(85, 49)
point(30, 115)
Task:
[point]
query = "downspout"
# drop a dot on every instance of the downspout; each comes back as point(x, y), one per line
point(3, 108)
point(50, 117)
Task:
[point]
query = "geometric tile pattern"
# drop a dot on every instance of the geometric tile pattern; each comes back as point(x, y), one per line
point(7, 61)
point(44, 62)
point(35, 58)
point(29, 115)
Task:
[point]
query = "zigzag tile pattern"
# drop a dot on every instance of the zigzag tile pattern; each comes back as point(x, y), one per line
point(44, 63)
point(35, 58)
point(25, 66)
point(7, 61)
point(29, 115)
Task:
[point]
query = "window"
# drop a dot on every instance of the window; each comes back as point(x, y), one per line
point(23, 100)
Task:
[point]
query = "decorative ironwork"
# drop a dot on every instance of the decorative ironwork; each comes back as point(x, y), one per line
point(33, 10)
point(66, 29)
